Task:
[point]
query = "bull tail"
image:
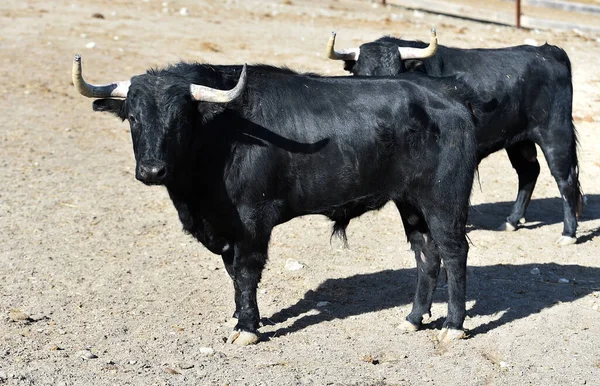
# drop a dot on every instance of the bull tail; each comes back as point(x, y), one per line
point(580, 199)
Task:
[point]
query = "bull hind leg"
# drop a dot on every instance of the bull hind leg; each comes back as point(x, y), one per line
point(560, 150)
point(446, 218)
point(453, 247)
point(428, 265)
point(523, 157)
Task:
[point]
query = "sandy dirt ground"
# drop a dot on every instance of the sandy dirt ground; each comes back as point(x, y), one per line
point(99, 285)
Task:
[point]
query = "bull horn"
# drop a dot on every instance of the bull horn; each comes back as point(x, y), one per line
point(420, 53)
point(117, 90)
point(346, 54)
point(207, 94)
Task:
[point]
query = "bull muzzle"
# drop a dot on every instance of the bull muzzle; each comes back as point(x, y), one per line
point(152, 172)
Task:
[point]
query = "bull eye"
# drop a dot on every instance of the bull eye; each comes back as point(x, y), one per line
point(131, 119)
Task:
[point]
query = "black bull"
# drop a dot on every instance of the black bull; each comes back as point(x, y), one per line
point(531, 97)
point(290, 145)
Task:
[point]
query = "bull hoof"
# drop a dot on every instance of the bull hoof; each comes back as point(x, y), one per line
point(408, 326)
point(522, 220)
point(450, 335)
point(566, 240)
point(506, 227)
point(242, 338)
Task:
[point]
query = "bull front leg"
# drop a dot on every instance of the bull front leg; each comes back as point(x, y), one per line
point(228, 258)
point(247, 267)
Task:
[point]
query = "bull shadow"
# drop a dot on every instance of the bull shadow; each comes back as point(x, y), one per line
point(511, 291)
point(541, 212)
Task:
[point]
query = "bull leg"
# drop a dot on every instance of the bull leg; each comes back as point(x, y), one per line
point(454, 248)
point(248, 264)
point(456, 266)
point(447, 228)
point(428, 265)
point(228, 257)
point(428, 269)
point(523, 157)
point(561, 156)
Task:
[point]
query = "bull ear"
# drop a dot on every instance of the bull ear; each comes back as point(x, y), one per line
point(113, 106)
point(349, 65)
point(414, 65)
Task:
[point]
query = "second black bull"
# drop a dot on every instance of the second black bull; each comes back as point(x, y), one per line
point(530, 98)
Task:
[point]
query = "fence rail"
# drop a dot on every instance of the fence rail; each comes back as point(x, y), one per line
point(516, 19)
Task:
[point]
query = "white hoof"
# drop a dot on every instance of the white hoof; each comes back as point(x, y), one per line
point(506, 227)
point(566, 240)
point(522, 220)
point(242, 338)
point(408, 326)
point(447, 336)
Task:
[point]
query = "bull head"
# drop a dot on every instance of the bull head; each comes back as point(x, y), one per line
point(162, 128)
point(405, 52)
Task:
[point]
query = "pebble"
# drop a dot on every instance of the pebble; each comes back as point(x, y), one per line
point(90, 45)
point(562, 280)
point(206, 350)
point(535, 271)
point(186, 366)
point(184, 12)
point(292, 265)
point(503, 365)
point(19, 316)
point(87, 354)
point(171, 371)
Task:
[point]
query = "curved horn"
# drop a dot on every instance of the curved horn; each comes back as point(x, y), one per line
point(347, 54)
point(117, 90)
point(207, 94)
point(420, 53)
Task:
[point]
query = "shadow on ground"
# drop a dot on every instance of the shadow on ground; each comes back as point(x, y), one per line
point(510, 290)
point(541, 212)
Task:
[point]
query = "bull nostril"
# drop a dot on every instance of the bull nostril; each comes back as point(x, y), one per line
point(159, 172)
